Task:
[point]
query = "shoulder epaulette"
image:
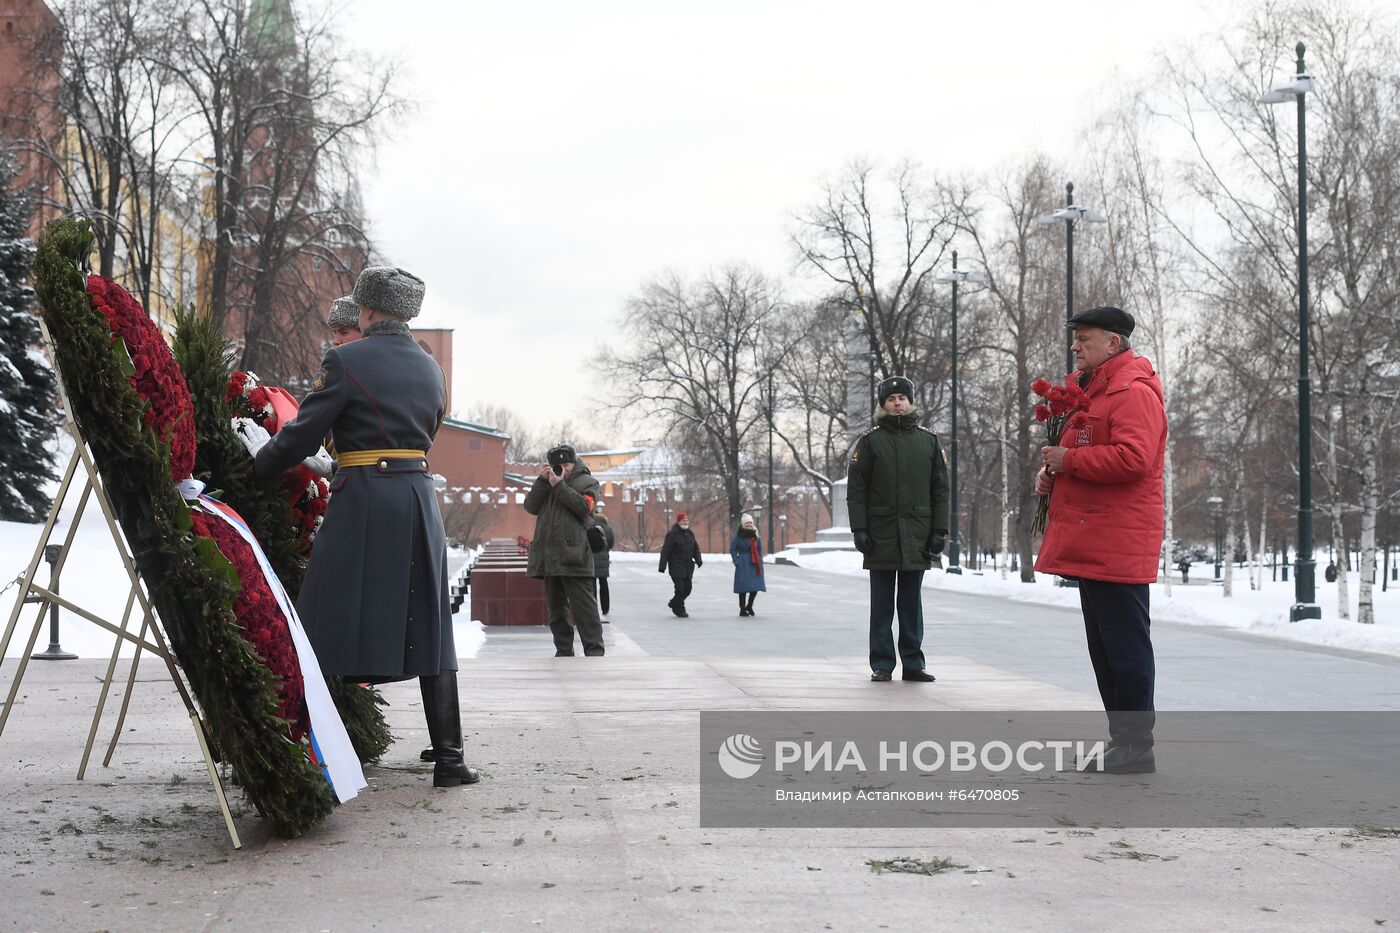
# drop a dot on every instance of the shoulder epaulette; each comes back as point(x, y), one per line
point(928, 431)
point(870, 432)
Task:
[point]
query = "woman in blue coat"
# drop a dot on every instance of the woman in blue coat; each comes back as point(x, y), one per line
point(747, 554)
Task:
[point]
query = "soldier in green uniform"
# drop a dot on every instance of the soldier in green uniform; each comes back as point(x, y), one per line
point(898, 498)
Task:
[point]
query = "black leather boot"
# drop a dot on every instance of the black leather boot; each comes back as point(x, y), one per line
point(440, 707)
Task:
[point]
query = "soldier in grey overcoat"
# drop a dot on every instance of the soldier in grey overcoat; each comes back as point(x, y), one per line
point(375, 600)
point(562, 501)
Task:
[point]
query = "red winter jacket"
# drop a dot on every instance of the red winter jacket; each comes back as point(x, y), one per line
point(1106, 508)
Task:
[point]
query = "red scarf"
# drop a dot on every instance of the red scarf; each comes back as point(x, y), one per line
point(753, 554)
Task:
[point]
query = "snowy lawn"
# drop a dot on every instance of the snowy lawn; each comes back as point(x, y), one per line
point(1263, 611)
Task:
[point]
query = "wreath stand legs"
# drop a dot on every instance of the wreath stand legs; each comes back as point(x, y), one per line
point(91, 487)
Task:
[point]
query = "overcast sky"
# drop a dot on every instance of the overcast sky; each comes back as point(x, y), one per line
point(562, 152)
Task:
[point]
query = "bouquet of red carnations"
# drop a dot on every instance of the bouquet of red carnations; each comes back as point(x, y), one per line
point(307, 492)
point(1065, 407)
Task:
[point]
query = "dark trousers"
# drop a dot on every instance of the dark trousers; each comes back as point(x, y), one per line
point(573, 597)
point(603, 597)
point(683, 589)
point(746, 601)
point(1119, 630)
point(891, 590)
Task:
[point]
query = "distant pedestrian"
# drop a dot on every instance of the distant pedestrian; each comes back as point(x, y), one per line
point(1105, 527)
point(562, 499)
point(1330, 574)
point(602, 560)
point(1184, 566)
point(747, 553)
point(898, 498)
point(680, 555)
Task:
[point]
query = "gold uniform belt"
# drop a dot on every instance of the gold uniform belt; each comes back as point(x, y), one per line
point(359, 458)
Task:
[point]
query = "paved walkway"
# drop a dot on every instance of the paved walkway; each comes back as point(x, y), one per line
point(588, 816)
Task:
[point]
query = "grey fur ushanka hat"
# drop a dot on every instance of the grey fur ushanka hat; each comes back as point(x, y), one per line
point(344, 313)
point(390, 290)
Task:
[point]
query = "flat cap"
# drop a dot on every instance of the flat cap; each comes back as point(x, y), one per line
point(390, 290)
point(1113, 320)
point(344, 313)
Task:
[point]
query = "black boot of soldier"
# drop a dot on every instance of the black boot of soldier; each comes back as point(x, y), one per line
point(444, 717)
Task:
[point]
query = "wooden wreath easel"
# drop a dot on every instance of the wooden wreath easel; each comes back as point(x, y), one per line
point(89, 486)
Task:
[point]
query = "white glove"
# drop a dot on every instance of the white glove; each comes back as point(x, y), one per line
point(320, 463)
point(252, 434)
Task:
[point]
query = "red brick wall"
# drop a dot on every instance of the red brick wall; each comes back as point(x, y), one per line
point(24, 26)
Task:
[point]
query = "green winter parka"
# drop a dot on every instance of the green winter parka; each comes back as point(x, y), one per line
point(898, 491)
point(560, 546)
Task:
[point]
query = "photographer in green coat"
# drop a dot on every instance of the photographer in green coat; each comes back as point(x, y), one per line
point(562, 499)
point(898, 499)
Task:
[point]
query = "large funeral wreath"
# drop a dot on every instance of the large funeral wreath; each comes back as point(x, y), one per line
point(134, 408)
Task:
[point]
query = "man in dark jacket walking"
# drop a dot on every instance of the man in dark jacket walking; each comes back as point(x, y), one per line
point(375, 600)
point(680, 555)
point(562, 499)
point(898, 499)
point(602, 560)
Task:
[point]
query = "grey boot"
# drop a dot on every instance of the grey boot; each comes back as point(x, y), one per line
point(440, 707)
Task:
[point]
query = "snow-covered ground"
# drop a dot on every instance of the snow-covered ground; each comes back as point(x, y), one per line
point(1263, 611)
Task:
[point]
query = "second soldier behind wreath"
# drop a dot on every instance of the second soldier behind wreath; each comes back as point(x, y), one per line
point(562, 499)
point(375, 600)
point(898, 499)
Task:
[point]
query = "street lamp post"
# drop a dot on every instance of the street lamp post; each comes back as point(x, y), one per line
point(1069, 215)
point(782, 520)
point(641, 528)
point(771, 510)
point(1304, 579)
point(1217, 515)
point(954, 278)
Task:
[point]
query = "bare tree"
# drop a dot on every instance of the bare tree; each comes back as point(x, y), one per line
point(286, 112)
point(696, 358)
point(117, 163)
point(881, 260)
point(812, 391)
point(1022, 293)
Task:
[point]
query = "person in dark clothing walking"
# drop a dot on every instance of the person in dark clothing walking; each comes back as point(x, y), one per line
point(375, 601)
point(898, 498)
point(562, 499)
point(602, 560)
point(747, 554)
point(680, 555)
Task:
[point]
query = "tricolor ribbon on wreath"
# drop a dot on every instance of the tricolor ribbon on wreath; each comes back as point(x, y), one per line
point(329, 744)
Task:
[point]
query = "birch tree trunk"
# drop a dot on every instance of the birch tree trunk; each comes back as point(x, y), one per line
point(1370, 505)
point(1005, 491)
point(1334, 510)
point(1228, 553)
point(1263, 541)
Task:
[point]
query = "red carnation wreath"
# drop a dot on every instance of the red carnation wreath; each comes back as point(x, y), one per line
point(157, 378)
point(261, 619)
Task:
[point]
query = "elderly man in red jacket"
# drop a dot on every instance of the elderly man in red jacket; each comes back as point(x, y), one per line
point(1105, 524)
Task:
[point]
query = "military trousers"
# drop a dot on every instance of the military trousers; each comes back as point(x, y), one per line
point(573, 605)
point(892, 590)
point(1118, 627)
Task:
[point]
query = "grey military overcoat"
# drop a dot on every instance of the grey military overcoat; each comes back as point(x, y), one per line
point(375, 601)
